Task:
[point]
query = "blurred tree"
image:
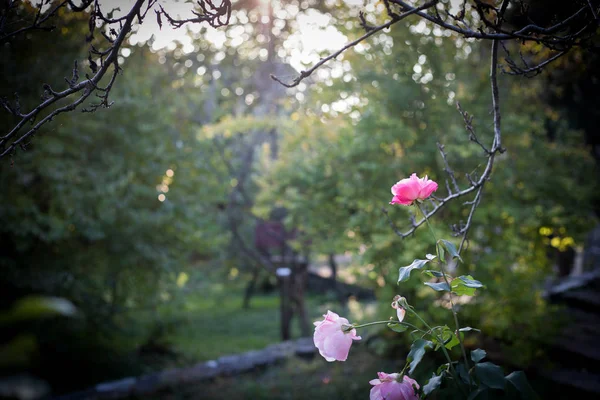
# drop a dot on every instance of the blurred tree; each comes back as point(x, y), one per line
point(106, 212)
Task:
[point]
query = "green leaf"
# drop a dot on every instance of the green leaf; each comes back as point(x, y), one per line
point(434, 382)
point(490, 375)
point(449, 339)
point(520, 382)
point(460, 289)
point(396, 327)
point(470, 282)
point(451, 248)
point(405, 271)
point(453, 341)
point(480, 394)
point(35, 307)
point(478, 355)
point(441, 252)
point(442, 368)
point(433, 273)
point(438, 286)
point(465, 285)
point(417, 351)
point(18, 351)
point(463, 374)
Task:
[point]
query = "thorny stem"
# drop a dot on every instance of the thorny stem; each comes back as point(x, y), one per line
point(386, 322)
point(431, 331)
point(404, 369)
point(454, 313)
point(444, 350)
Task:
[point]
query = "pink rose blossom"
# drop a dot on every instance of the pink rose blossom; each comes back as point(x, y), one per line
point(406, 191)
point(400, 310)
point(332, 337)
point(389, 387)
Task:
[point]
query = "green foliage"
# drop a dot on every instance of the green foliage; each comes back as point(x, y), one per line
point(405, 271)
point(465, 285)
point(104, 210)
point(490, 375)
point(438, 286)
point(18, 351)
point(449, 338)
point(396, 327)
point(450, 248)
point(434, 382)
point(521, 384)
point(478, 355)
point(417, 351)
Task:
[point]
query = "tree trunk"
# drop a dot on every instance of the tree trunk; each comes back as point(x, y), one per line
point(286, 311)
point(340, 295)
point(250, 288)
point(299, 285)
point(333, 266)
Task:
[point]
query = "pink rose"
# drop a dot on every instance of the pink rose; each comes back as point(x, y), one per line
point(410, 189)
point(400, 310)
point(388, 387)
point(333, 338)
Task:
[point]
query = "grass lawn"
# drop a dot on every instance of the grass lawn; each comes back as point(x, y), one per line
point(203, 325)
point(213, 327)
point(295, 379)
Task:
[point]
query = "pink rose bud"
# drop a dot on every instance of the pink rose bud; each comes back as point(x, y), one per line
point(333, 337)
point(397, 304)
point(393, 387)
point(410, 189)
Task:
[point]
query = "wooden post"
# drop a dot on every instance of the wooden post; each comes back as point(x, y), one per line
point(298, 287)
point(284, 280)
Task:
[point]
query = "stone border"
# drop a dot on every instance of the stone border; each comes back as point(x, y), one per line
point(223, 366)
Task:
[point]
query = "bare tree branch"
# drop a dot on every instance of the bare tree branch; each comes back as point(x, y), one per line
point(547, 36)
point(105, 60)
point(38, 21)
point(592, 9)
point(496, 147)
point(497, 144)
point(215, 15)
point(527, 70)
point(448, 170)
point(530, 32)
point(464, 231)
point(86, 87)
point(468, 119)
point(371, 31)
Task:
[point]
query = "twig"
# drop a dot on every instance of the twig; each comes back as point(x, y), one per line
point(468, 119)
point(437, 208)
point(465, 229)
point(373, 30)
point(391, 222)
point(515, 70)
point(18, 135)
point(38, 20)
point(447, 168)
point(497, 144)
point(86, 87)
point(593, 9)
point(499, 34)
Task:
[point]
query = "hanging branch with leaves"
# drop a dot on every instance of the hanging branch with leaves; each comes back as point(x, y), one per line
point(102, 61)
